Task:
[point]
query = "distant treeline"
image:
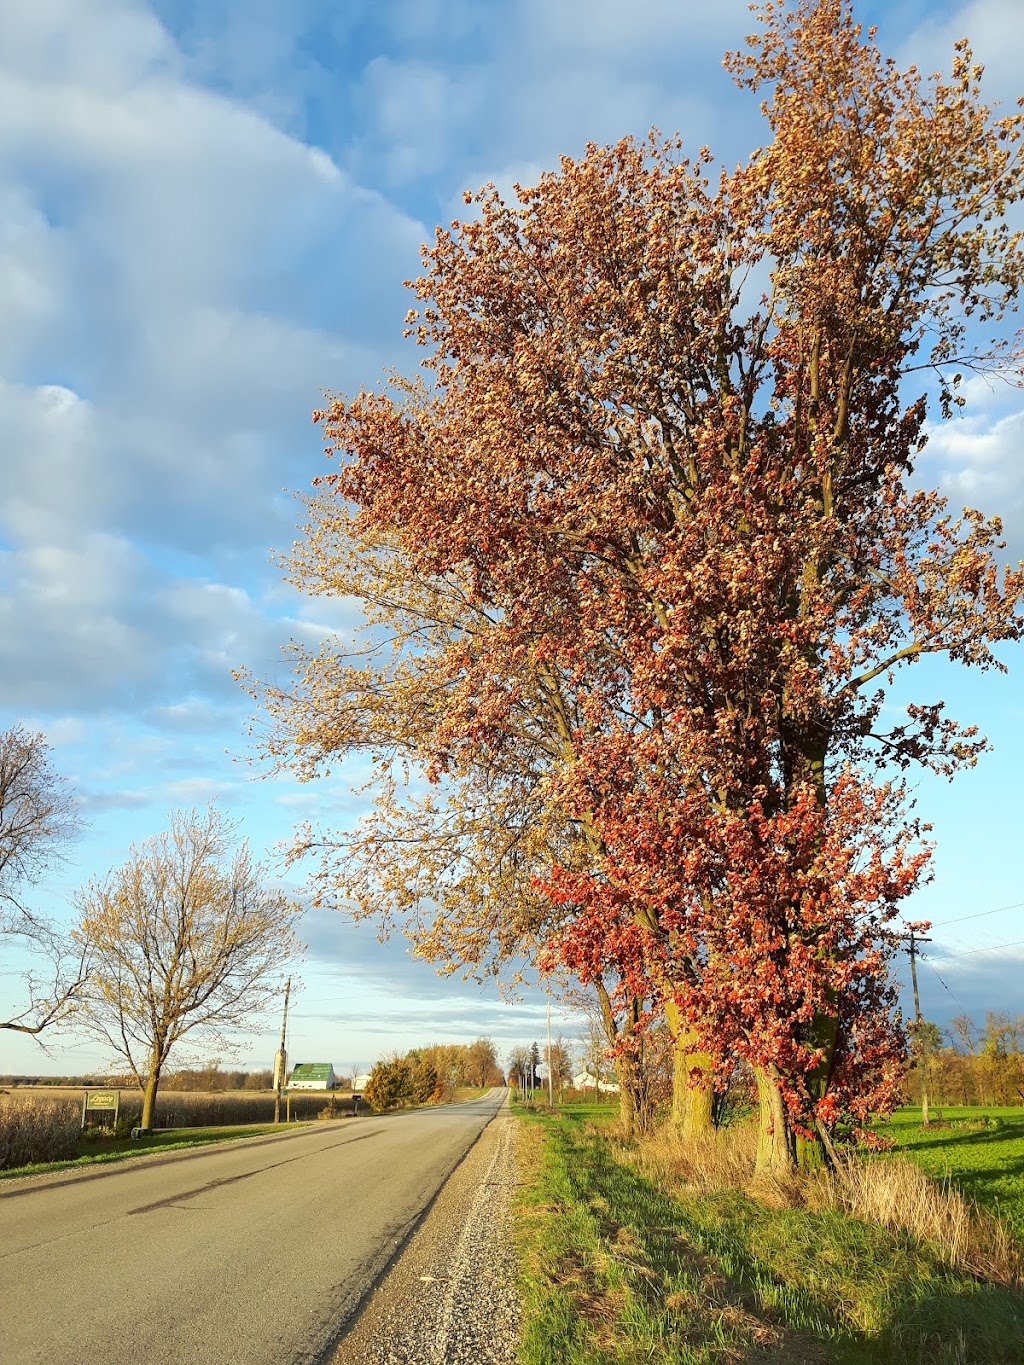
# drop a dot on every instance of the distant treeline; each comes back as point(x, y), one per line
point(967, 1064)
point(207, 1078)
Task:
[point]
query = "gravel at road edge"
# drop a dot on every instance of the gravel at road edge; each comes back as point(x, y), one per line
point(450, 1298)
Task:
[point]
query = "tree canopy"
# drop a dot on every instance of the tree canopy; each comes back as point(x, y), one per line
point(186, 937)
point(38, 817)
point(664, 452)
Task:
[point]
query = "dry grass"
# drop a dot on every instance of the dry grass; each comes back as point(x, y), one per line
point(890, 1192)
point(40, 1125)
point(716, 1161)
point(195, 1108)
point(896, 1194)
point(44, 1129)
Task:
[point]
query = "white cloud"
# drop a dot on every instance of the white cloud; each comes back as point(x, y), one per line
point(179, 277)
point(976, 461)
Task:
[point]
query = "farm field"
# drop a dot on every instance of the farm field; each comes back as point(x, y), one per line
point(626, 1258)
point(41, 1125)
point(980, 1149)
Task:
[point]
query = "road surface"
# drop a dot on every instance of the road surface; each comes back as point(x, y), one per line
point(254, 1253)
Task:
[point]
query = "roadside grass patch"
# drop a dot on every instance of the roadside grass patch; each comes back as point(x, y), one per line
point(978, 1149)
point(96, 1151)
point(619, 1264)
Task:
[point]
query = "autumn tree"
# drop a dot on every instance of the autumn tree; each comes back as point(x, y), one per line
point(616, 1037)
point(390, 1083)
point(519, 1067)
point(688, 497)
point(424, 1079)
point(482, 1062)
point(186, 940)
point(460, 865)
point(37, 819)
point(558, 1063)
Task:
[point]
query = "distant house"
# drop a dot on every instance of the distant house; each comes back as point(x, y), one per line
point(585, 1081)
point(359, 1083)
point(312, 1076)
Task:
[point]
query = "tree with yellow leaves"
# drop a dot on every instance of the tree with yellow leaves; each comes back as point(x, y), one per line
point(184, 938)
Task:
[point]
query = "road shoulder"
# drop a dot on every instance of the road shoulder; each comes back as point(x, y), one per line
point(450, 1295)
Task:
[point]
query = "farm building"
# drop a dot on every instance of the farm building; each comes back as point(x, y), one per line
point(312, 1076)
point(585, 1081)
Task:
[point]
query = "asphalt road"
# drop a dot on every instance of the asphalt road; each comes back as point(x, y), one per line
point(254, 1252)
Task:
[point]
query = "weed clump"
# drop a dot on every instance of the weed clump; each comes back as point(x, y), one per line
point(889, 1192)
point(896, 1194)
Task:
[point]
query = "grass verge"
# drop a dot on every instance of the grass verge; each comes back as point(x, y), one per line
point(980, 1150)
point(104, 1150)
point(618, 1268)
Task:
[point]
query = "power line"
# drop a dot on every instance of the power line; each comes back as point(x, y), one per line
point(943, 984)
point(979, 914)
point(992, 948)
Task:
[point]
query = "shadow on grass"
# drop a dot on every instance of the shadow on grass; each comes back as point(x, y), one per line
point(636, 1273)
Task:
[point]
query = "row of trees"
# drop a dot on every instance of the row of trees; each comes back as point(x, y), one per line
point(531, 1067)
point(211, 1077)
point(642, 554)
point(185, 939)
point(432, 1075)
point(968, 1065)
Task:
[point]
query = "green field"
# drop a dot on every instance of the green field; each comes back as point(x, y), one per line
point(981, 1150)
point(620, 1266)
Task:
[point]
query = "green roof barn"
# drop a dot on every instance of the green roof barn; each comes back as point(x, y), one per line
point(312, 1076)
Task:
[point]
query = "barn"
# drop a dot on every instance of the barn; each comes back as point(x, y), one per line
point(312, 1076)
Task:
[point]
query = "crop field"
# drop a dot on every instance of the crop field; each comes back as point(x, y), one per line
point(980, 1150)
point(42, 1124)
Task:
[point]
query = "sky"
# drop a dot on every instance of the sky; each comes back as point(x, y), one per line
point(207, 211)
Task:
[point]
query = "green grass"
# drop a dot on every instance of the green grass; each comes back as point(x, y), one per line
point(617, 1269)
point(980, 1149)
point(98, 1151)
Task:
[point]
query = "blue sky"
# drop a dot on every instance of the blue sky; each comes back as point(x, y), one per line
point(207, 210)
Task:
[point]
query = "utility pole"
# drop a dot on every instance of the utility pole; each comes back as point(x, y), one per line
point(281, 1060)
point(551, 1061)
point(922, 1042)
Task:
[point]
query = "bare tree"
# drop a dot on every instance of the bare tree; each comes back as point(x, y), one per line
point(558, 1061)
point(37, 819)
point(185, 936)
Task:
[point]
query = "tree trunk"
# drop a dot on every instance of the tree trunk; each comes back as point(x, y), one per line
point(824, 1033)
point(629, 1118)
point(776, 1143)
point(692, 1103)
point(634, 1106)
point(149, 1097)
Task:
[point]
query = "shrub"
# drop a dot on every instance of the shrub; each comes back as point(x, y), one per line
point(389, 1084)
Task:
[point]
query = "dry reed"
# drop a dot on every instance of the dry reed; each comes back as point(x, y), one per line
point(893, 1192)
point(44, 1129)
point(889, 1191)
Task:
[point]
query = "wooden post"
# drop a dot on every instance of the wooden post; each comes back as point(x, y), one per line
point(281, 1060)
point(922, 1042)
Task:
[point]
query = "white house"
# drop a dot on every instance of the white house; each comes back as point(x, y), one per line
point(585, 1081)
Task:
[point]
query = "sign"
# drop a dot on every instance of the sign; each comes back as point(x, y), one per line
point(103, 1099)
point(104, 1104)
